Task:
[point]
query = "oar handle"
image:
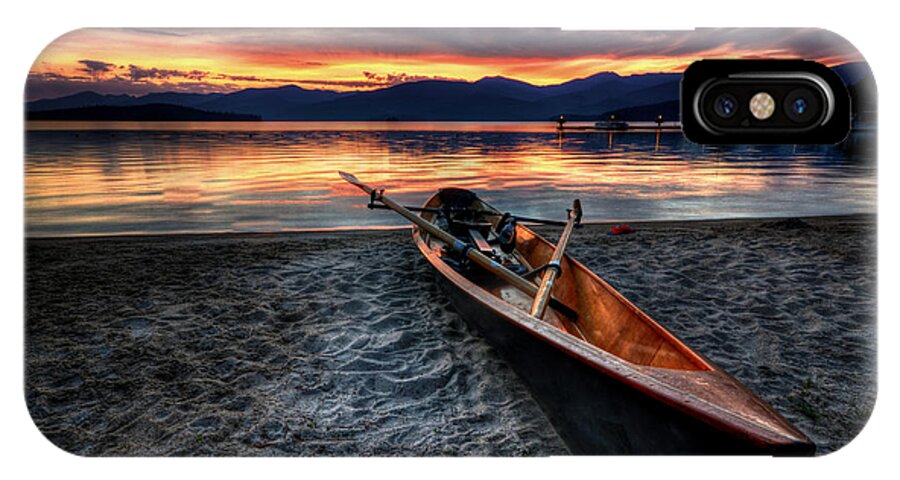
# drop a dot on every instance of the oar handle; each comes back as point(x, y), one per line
point(541, 298)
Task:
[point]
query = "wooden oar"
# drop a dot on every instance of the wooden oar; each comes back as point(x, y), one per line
point(460, 246)
point(520, 218)
point(543, 294)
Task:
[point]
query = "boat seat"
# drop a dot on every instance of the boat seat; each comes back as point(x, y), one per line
point(476, 225)
point(480, 243)
point(461, 227)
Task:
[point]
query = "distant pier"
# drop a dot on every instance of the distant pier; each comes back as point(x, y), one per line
point(668, 127)
point(613, 125)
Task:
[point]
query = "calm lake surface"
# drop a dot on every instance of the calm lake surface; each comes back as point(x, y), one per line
point(135, 178)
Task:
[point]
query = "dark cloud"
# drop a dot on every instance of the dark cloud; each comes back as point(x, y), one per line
point(51, 76)
point(137, 74)
point(239, 78)
point(95, 67)
point(388, 79)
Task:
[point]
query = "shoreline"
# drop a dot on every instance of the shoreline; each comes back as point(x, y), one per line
point(869, 217)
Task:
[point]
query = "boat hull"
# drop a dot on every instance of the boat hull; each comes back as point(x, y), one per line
point(613, 381)
point(593, 413)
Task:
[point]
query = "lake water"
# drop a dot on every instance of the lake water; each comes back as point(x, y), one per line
point(137, 178)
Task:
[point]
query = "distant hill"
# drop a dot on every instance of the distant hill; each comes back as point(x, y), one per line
point(281, 103)
point(490, 98)
point(494, 98)
point(92, 99)
point(425, 100)
point(78, 100)
point(603, 92)
point(507, 87)
point(156, 112)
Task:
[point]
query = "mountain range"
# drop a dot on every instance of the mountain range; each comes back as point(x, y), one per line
point(490, 98)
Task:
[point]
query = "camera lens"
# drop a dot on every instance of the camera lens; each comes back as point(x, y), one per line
point(801, 105)
point(725, 105)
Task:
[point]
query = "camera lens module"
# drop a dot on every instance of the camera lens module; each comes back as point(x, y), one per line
point(801, 105)
point(725, 105)
point(763, 101)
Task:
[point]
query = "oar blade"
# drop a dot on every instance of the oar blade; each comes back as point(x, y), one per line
point(349, 177)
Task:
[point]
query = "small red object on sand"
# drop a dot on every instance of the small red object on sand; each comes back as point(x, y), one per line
point(621, 230)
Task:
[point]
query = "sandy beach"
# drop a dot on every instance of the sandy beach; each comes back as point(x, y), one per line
point(341, 343)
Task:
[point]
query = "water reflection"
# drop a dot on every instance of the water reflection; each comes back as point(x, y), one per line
point(196, 179)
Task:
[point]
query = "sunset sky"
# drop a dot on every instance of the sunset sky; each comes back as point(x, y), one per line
point(139, 61)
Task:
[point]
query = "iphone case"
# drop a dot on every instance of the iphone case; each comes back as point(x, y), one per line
point(219, 259)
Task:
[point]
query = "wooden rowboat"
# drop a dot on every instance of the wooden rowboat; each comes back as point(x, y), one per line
point(614, 380)
point(609, 377)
